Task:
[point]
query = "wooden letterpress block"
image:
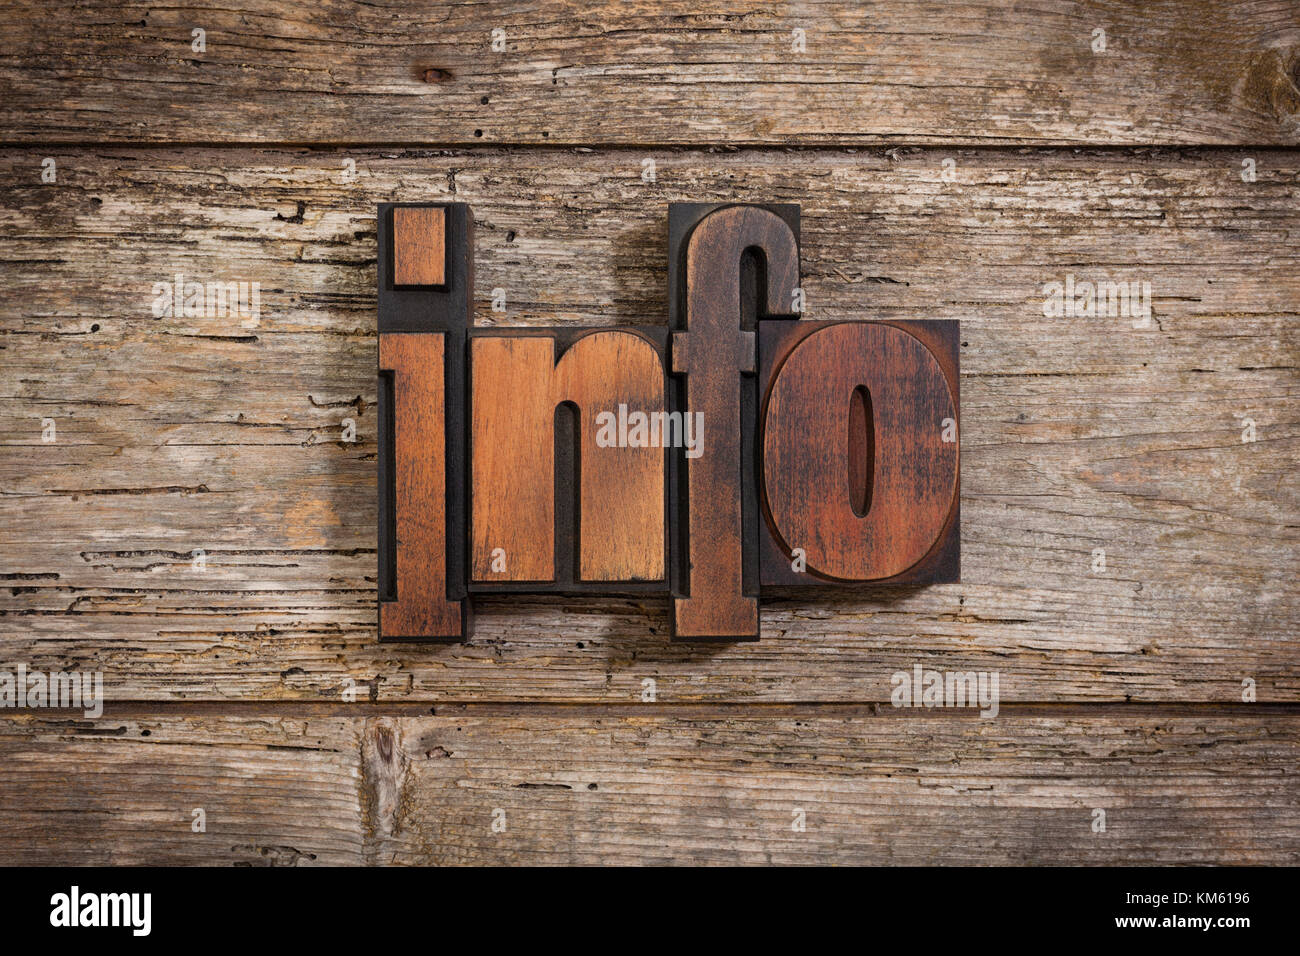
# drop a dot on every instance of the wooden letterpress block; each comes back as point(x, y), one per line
point(421, 608)
point(729, 265)
point(521, 465)
point(860, 452)
point(739, 450)
point(424, 317)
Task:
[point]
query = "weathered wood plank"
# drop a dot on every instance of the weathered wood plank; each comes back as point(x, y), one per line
point(571, 71)
point(650, 789)
point(273, 791)
point(642, 790)
point(224, 434)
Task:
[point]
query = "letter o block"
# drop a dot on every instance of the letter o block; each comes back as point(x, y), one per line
point(856, 468)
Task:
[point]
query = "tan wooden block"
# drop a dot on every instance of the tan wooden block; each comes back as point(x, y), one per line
point(419, 246)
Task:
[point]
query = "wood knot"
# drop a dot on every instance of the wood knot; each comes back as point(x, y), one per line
point(434, 75)
point(1272, 83)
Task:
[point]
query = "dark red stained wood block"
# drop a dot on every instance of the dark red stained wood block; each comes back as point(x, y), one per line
point(855, 466)
point(419, 246)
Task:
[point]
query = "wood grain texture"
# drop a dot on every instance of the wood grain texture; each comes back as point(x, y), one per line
point(512, 452)
point(201, 532)
point(908, 475)
point(682, 72)
point(621, 532)
point(274, 792)
point(419, 246)
point(180, 433)
point(648, 789)
point(421, 608)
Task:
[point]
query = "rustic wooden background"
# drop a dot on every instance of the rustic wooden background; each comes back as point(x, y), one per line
point(1121, 690)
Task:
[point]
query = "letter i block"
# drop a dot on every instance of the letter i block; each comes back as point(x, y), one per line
point(425, 299)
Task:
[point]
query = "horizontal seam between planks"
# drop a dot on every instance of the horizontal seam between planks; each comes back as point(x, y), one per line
point(748, 146)
point(619, 709)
